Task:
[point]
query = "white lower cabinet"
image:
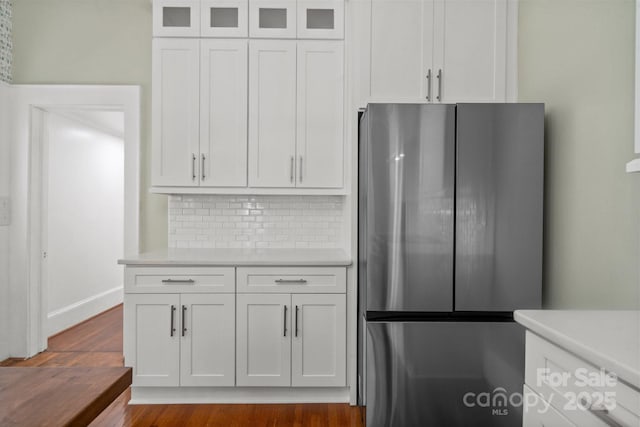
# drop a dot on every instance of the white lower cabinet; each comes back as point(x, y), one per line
point(280, 327)
point(318, 353)
point(291, 340)
point(180, 339)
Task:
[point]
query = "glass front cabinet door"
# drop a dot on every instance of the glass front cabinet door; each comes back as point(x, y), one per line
point(320, 19)
point(224, 18)
point(272, 19)
point(176, 18)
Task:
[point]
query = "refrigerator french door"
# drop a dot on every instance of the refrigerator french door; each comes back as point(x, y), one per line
point(450, 243)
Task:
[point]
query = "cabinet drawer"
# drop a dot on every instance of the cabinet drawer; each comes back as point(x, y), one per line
point(179, 279)
point(566, 381)
point(292, 279)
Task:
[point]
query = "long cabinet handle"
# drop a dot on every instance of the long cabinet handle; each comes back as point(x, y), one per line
point(170, 281)
point(429, 85)
point(193, 166)
point(296, 330)
point(284, 322)
point(281, 281)
point(300, 172)
point(439, 76)
point(291, 167)
point(184, 322)
point(172, 329)
point(203, 159)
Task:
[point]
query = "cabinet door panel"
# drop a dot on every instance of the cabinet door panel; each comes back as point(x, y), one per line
point(471, 49)
point(319, 340)
point(175, 113)
point(320, 114)
point(208, 340)
point(401, 48)
point(263, 340)
point(272, 113)
point(149, 345)
point(223, 112)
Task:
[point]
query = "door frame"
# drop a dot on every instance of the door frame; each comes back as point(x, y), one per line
point(29, 102)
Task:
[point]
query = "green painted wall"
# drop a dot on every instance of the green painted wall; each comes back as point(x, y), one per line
point(577, 56)
point(94, 42)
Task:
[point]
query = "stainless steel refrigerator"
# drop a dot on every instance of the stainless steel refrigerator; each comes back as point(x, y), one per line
point(450, 243)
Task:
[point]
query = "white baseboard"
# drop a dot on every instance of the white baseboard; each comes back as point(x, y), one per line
point(75, 313)
point(204, 395)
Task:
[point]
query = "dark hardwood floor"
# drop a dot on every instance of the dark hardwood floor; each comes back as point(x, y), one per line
point(98, 342)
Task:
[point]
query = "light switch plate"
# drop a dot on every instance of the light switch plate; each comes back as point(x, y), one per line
point(5, 211)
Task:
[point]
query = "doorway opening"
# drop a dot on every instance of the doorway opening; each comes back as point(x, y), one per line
point(31, 106)
point(82, 214)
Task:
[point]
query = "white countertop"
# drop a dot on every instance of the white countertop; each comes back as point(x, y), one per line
point(231, 257)
point(607, 339)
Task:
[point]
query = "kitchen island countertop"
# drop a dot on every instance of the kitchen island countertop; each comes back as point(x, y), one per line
point(609, 339)
point(240, 257)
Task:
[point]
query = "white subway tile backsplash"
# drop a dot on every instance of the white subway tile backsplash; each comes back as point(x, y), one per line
point(219, 221)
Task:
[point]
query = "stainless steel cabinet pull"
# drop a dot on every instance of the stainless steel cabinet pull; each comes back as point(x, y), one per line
point(601, 413)
point(193, 167)
point(203, 159)
point(173, 315)
point(291, 169)
point(296, 331)
point(178, 281)
point(300, 172)
point(439, 76)
point(184, 324)
point(279, 281)
point(429, 85)
point(285, 321)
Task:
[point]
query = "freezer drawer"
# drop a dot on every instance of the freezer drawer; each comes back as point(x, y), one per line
point(444, 374)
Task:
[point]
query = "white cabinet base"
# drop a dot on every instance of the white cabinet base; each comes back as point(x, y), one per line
point(202, 395)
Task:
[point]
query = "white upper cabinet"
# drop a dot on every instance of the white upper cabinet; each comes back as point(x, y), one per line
point(439, 51)
point(272, 113)
point(224, 18)
point(471, 50)
point(176, 18)
point(320, 104)
point(199, 113)
point(223, 113)
point(175, 87)
point(402, 48)
point(320, 19)
point(296, 102)
point(272, 19)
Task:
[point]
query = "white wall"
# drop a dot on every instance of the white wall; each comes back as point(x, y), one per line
point(4, 230)
point(85, 220)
